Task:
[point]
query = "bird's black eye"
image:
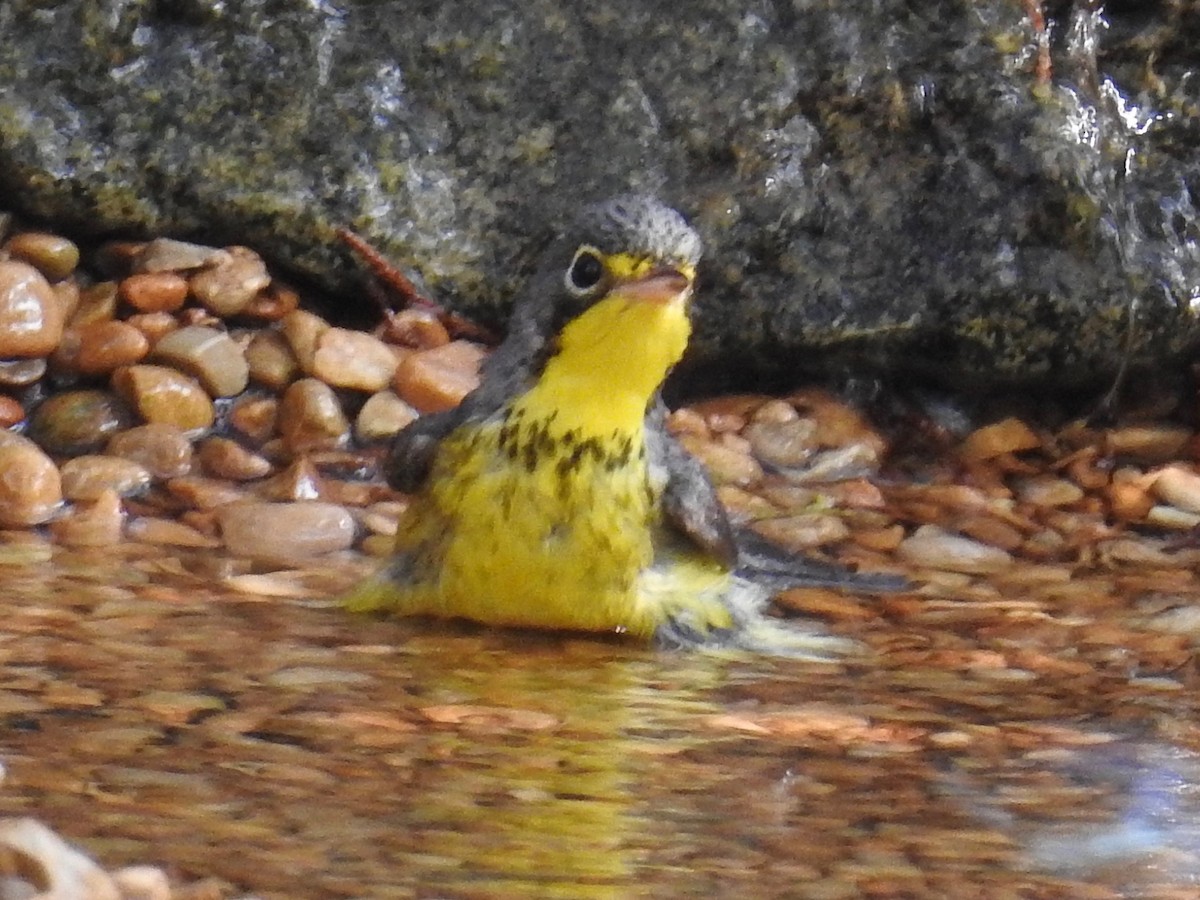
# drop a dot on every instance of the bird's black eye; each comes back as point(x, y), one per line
point(586, 270)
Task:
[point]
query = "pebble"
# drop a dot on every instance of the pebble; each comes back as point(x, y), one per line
point(438, 379)
point(87, 478)
point(273, 302)
point(802, 532)
point(1179, 487)
point(162, 395)
point(167, 532)
point(787, 443)
point(98, 524)
point(224, 458)
point(30, 485)
point(1147, 443)
point(52, 255)
point(78, 422)
point(299, 481)
point(106, 346)
point(283, 531)
point(209, 355)
point(166, 254)
point(154, 291)
point(301, 330)
point(31, 318)
point(1008, 436)
point(162, 449)
point(271, 361)
point(416, 328)
point(382, 416)
point(254, 417)
point(352, 359)
point(11, 411)
point(204, 493)
point(1047, 491)
point(310, 417)
point(933, 547)
point(226, 288)
point(97, 303)
point(724, 465)
point(154, 325)
point(21, 372)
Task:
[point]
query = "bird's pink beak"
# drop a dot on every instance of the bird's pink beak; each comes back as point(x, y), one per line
point(661, 285)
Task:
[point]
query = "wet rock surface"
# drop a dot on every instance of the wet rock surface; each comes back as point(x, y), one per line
point(969, 190)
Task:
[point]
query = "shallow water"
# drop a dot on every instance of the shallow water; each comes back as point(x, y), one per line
point(292, 750)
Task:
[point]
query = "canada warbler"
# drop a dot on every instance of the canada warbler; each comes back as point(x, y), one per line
point(553, 497)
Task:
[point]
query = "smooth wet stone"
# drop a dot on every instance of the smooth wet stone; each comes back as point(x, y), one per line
point(416, 328)
point(310, 417)
point(21, 372)
point(86, 478)
point(224, 458)
point(31, 318)
point(106, 346)
point(271, 361)
point(1008, 436)
point(77, 422)
point(166, 254)
point(301, 329)
point(254, 417)
point(352, 359)
point(285, 530)
point(97, 303)
point(208, 354)
point(438, 379)
point(162, 395)
point(299, 481)
point(382, 416)
point(1178, 486)
point(936, 548)
point(96, 524)
point(227, 287)
point(154, 291)
point(30, 485)
point(11, 411)
point(51, 254)
point(162, 449)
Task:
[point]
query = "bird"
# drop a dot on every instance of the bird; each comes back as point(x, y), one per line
point(553, 497)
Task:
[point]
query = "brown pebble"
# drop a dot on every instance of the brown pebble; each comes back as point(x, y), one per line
point(936, 548)
point(204, 493)
point(154, 291)
point(1047, 491)
point(382, 416)
point(438, 379)
point(254, 417)
point(105, 346)
point(224, 458)
point(352, 359)
point(77, 422)
point(152, 530)
point(227, 287)
point(272, 303)
point(31, 318)
point(21, 372)
point(11, 411)
point(310, 417)
point(799, 533)
point(207, 354)
point(154, 325)
point(162, 449)
point(788, 443)
point(30, 485)
point(724, 465)
point(271, 361)
point(826, 604)
point(286, 531)
point(299, 481)
point(416, 328)
point(97, 303)
point(1179, 486)
point(51, 254)
point(166, 254)
point(1008, 436)
point(163, 395)
point(95, 524)
point(1147, 443)
point(87, 478)
point(301, 329)
point(68, 294)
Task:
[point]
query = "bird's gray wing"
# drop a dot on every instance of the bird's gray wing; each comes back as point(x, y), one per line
point(689, 499)
point(691, 505)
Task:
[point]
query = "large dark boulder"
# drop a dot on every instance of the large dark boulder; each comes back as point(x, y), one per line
point(877, 180)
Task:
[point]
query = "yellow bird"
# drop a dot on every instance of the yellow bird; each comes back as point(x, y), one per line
point(554, 498)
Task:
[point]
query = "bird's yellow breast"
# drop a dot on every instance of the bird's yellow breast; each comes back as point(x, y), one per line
point(546, 514)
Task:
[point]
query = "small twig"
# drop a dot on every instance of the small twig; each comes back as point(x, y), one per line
point(1042, 70)
point(393, 280)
